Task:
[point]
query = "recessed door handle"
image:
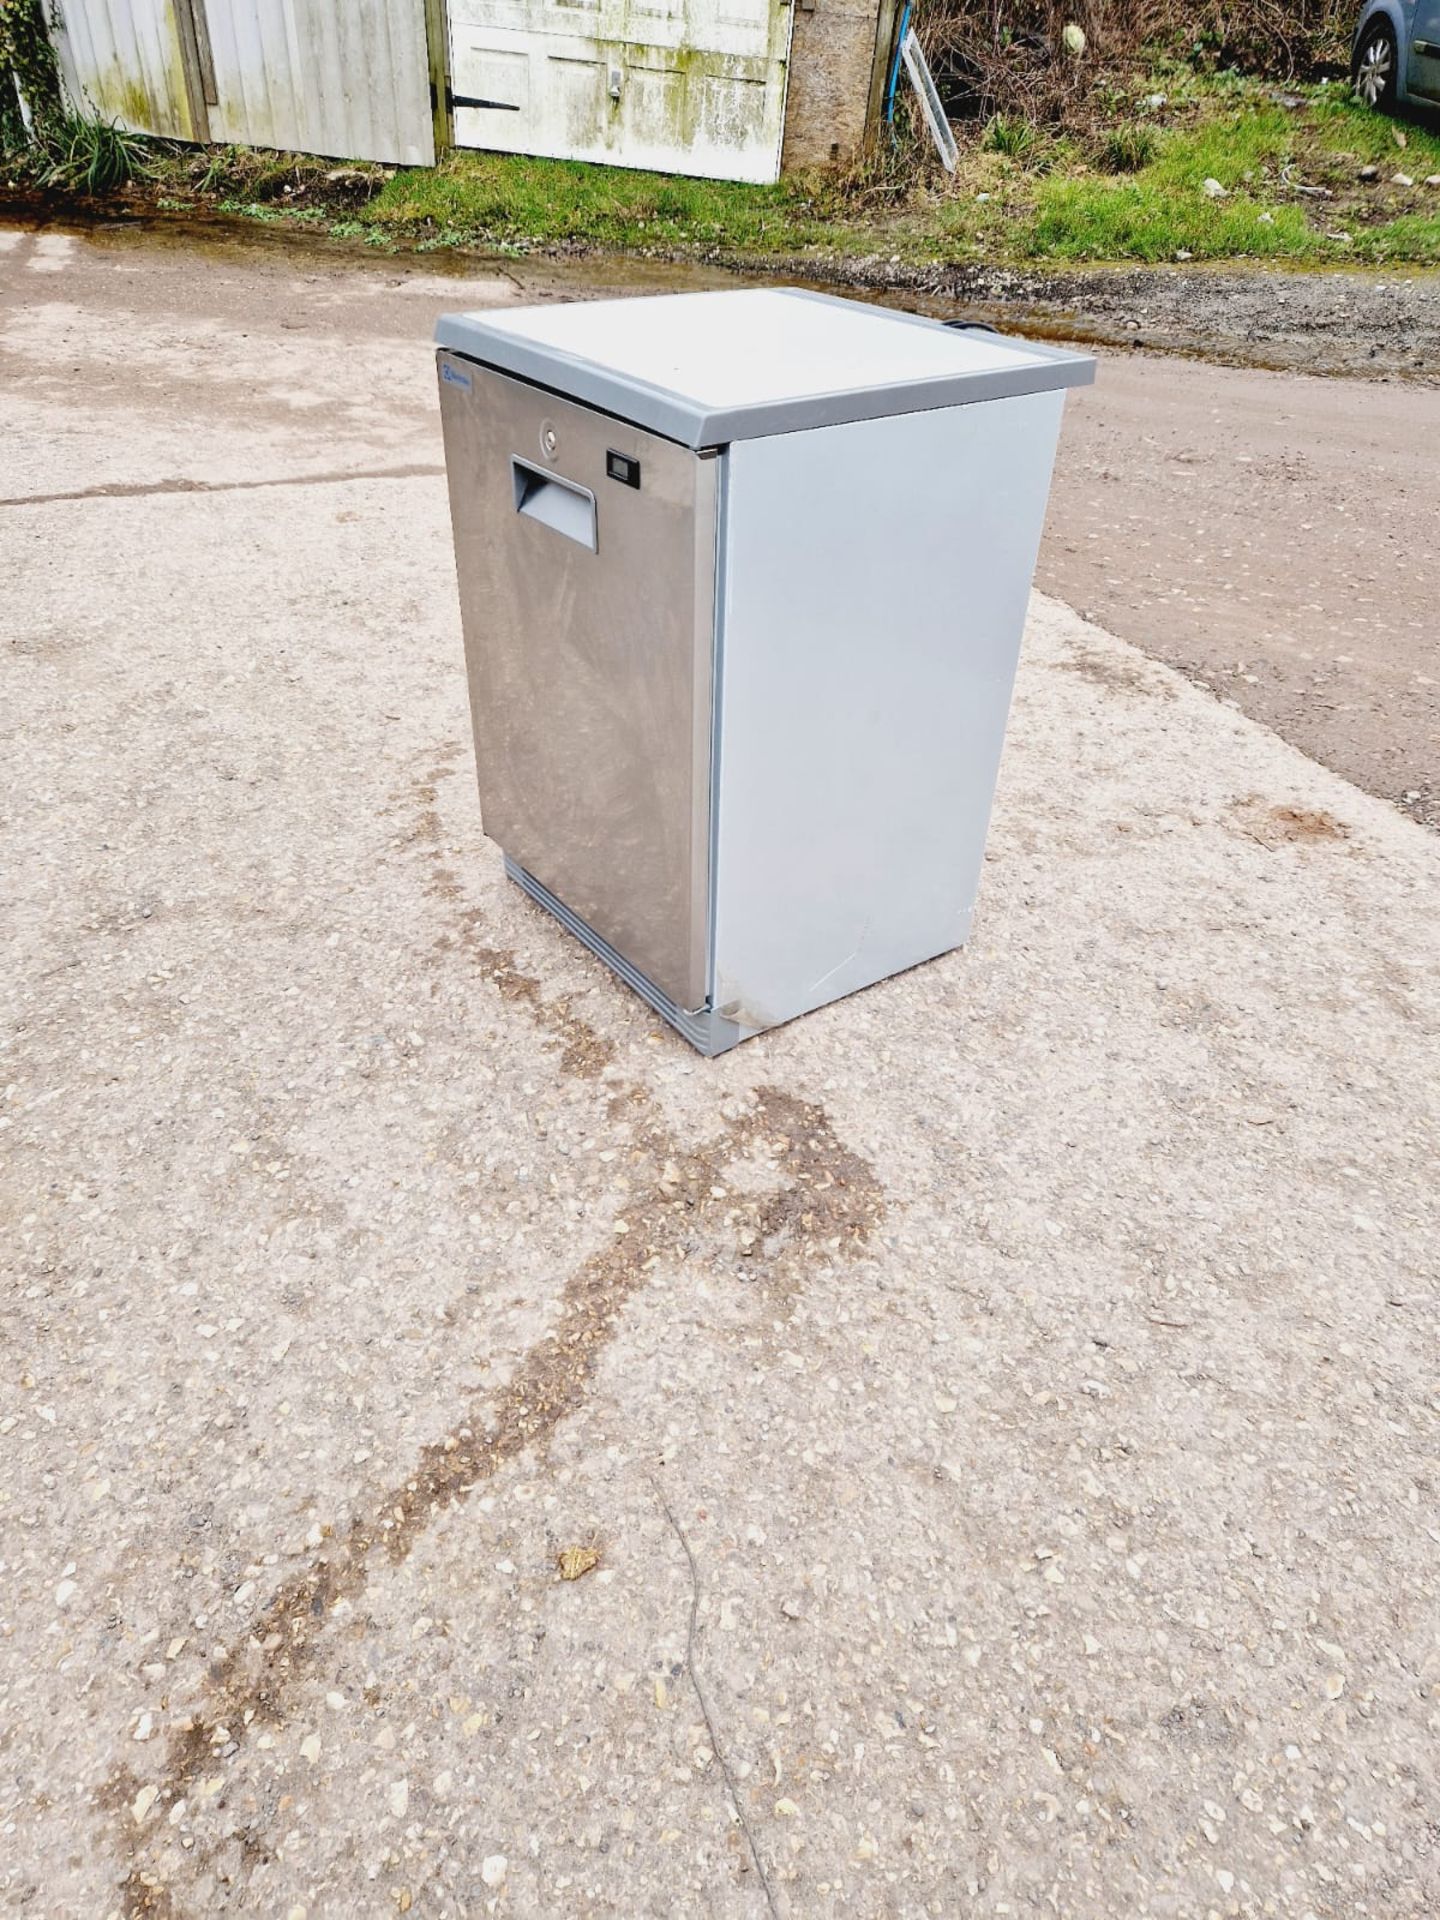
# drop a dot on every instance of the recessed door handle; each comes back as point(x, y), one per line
point(555, 503)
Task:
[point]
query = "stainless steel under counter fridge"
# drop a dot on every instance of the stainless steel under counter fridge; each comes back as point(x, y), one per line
point(743, 577)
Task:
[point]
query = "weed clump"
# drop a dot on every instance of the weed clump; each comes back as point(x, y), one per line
point(1128, 148)
point(1011, 134)
point(94, 157)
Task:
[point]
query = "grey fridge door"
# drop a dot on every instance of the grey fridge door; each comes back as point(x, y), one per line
point(586, 557)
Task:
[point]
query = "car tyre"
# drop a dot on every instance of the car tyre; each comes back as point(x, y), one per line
point(1375, 66)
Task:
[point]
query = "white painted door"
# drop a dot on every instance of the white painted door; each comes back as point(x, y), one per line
point(682, 86)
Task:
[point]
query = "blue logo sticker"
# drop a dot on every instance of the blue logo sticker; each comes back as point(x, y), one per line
point(454, 375)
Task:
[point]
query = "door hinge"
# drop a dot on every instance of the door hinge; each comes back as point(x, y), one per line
point(453, 100)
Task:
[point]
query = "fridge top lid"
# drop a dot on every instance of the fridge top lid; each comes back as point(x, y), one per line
point(708, 368)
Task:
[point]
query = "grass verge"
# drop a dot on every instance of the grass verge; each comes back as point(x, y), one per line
point(1303, 177)
point(1180, 166)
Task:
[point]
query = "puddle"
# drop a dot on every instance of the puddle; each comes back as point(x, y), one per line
point(1330, 322)
point(232, 237)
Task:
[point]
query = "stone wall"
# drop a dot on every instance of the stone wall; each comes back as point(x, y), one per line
point(836, 78)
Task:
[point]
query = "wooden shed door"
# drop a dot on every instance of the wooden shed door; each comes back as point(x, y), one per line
point(681, 86)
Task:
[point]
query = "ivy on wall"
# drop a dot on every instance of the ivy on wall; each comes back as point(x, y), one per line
point(28, 71)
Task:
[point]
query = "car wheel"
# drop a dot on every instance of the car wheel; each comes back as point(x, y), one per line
point(1376, 65)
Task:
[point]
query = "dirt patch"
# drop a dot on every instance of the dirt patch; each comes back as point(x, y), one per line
point(1279, 826)
point(1116, 674)
point(291, 181)
point(1371, 325)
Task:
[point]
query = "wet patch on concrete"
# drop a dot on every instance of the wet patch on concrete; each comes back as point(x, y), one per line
point(824, 1204)
point(583, 1051)
point(139, 490)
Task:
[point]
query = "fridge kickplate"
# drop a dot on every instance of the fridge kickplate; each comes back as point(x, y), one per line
point(707, 1031)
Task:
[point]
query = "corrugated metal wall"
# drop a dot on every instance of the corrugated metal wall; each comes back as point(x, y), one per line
point(344, 77)
point(122, 60)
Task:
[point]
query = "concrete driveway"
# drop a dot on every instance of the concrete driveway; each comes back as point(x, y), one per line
point(991, 1424)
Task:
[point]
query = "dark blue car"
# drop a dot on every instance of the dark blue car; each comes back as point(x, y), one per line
point(1395, 60)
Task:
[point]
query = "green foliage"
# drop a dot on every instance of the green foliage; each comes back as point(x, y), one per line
point(1150, 204)
point(221, 169)
point(1107, 220)
point(92, 157)
point(27, 67)
point(1010, 134)
point(1235, 148)
point(512, 200)
point(1133, 190)
point(1128, 147)
point(13, 135)
point(1048, 205)
point(1349, 129)
point(1264, 156)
